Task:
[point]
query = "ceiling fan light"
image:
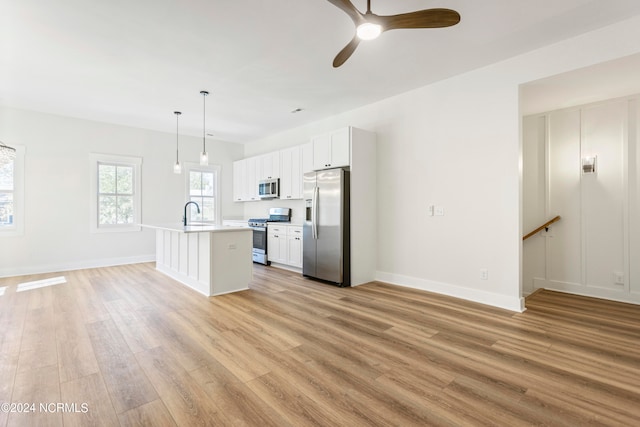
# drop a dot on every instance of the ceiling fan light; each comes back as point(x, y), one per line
point(368, 31)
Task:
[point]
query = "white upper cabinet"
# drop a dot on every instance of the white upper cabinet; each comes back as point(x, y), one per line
point(331, 150)
point(239, 180)
point(269, 165)
point(291, 173)
point(254, 167)
point(307, 157)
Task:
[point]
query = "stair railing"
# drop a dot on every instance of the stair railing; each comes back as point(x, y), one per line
point(545, 226)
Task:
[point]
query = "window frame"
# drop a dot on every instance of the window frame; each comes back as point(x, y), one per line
point(17, 228)
point(117, 160)
point(215, 169)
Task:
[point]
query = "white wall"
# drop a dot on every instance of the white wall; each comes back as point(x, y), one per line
point(534, 206)
point(456, 144)
point(56, 235)
point(591, 251)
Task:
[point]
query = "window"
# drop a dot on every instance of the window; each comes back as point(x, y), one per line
point(115, 201)
point(12, 195)
point(7, 189)
point(202, 188)
point(115, 194)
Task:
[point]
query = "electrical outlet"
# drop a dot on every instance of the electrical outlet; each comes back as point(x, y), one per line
point(484, 274)
point(618, 278)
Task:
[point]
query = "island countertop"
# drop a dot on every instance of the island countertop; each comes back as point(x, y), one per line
point(195, 228)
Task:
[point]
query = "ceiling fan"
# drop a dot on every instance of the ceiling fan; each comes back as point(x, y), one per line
point(369, 25)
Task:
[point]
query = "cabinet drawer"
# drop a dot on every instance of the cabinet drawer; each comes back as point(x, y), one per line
point(277, 229)
point(294, 231)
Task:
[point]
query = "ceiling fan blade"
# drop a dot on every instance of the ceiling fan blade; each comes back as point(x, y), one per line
point(346, 52)
point(349, 9)
point(428, 18)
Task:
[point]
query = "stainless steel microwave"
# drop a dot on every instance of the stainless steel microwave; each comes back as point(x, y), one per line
point(269, 188)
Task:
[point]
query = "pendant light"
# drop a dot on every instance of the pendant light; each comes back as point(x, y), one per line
point(7, 154)
point(204, 156)
point(177, 168)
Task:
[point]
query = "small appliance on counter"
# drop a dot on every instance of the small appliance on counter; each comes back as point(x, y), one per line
point(259, 227)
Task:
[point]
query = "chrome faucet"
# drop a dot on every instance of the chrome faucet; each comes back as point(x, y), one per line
point(184, 218)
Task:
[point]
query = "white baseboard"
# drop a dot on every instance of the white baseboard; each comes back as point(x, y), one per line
point(77, 265)
point(496, 300)
point(620, 295)
point(286, 267)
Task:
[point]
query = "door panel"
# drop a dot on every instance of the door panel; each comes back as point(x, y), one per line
point(308, 242)
point(329, 244)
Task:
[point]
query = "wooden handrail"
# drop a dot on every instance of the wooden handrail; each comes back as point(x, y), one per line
point(545, 225)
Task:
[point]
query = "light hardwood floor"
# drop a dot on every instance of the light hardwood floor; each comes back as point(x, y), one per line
point(140, 349)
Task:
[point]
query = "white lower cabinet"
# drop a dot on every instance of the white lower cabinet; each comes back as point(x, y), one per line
point(284, 244)
point(277, 243)
point(294, 246)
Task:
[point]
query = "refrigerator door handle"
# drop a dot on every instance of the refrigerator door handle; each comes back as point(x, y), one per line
point(314, 212)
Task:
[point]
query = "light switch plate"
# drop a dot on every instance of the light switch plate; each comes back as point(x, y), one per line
point(439, 211)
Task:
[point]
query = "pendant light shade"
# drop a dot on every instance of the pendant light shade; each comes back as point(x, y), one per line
point(7, 154)
point(177, 167)
point(204, 156)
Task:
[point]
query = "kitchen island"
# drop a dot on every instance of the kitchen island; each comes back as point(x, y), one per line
point(210, 259)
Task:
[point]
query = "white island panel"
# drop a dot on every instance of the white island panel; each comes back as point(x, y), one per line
point(203, 258)
point(231, 269)
point(174, 244)
point(212, 260)
point(183, 255)
point(193, 261)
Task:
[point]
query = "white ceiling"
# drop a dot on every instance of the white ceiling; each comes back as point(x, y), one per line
point(134, 62)
point(611, 79)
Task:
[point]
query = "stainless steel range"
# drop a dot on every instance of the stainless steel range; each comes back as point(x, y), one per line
point(259, 227)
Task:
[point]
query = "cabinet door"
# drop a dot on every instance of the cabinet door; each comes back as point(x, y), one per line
point(307, 157)
point(283, 255)
point(294, 246)
point(340, 148)
point(290, 174)
point(321, 151)
point(332, 150)
point(270, 166)
point(297, 175)
point(239, 180)
point(294, 250)
point(285, 174)
point(277, 247)
point(251, 185)
point(273, 247)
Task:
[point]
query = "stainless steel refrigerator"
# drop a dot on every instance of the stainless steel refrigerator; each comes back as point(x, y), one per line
point(325, 240)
